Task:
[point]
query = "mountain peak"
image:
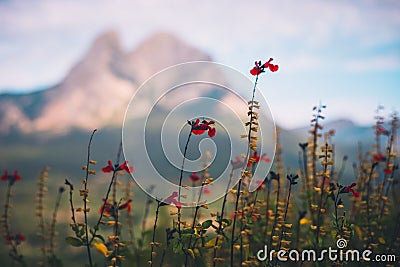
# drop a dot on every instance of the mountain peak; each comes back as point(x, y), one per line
point(157, 52)
point(108, 39)
point(96, 90)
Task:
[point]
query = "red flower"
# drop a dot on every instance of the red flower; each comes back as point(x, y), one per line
point(194, 177)
point(255, 158)
point(109, 167)
point(260, 68)
point(349, 189)
point(5, 176)
point(8, 239)
point(126, 205)
point(381, 130)
point(18, 238)
point(199, 128)
point(378, 157)
point(171, 200)
point(108, 209)
point(124, 166)
point(206, 191)
point(388, 171)
point(11, 178)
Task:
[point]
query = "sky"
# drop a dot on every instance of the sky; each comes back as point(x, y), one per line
point(345, 54)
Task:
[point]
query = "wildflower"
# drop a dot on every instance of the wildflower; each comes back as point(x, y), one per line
point(124, 166)
point(108, 209)
point(8, 239)
point(109, 167)
point(11, 178)
point(260, 68)
point(18, 238)
point(381, 130)
point(194, 177)
point(255, 158)
point(206, 191)
point(172, 200)
point(114, 168)
point(378, 157)
point(388, 171)
point(198, 128)
point(349, 189)
point(126, 205)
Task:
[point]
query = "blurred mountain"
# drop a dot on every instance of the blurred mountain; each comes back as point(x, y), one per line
point(97, 89)
point(95, 93)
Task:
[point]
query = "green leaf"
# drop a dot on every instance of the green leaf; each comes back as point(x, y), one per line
point(187, 231)
point(177, 248)
point(227, 221)
point(206, 224)
point(73, 241)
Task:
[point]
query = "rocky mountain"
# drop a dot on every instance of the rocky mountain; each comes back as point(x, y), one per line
point(97, 89)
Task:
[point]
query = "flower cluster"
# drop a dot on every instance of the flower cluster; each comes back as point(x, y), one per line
point(260, 68)
point(114, 168)
point(255, 158)
point(109, 210)
point(18, 238)
point(194, 177)
point(10, 178)
point(349, 189)
point(172, 200)
point(198, 128)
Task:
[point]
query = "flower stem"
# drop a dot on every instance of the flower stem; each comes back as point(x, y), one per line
point(87, 244)
point(286, 211)
point(276, 213)
point(96, 228)
point(196, 212)
point(14, 254)
point(322, 189)
point(239, 186)
point(54, 220)
point(154, 233)
point(116, 233)
point(221, 217)
point(180, 183)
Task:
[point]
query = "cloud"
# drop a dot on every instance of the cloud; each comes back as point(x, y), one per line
point(221, 27)
point(390, 62)
point(40, 40)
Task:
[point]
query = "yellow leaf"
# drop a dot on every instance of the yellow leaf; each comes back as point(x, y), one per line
point(100, 247)
point(381, 240)
point(211, 243)
point(305, 221)
point(190, 251)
